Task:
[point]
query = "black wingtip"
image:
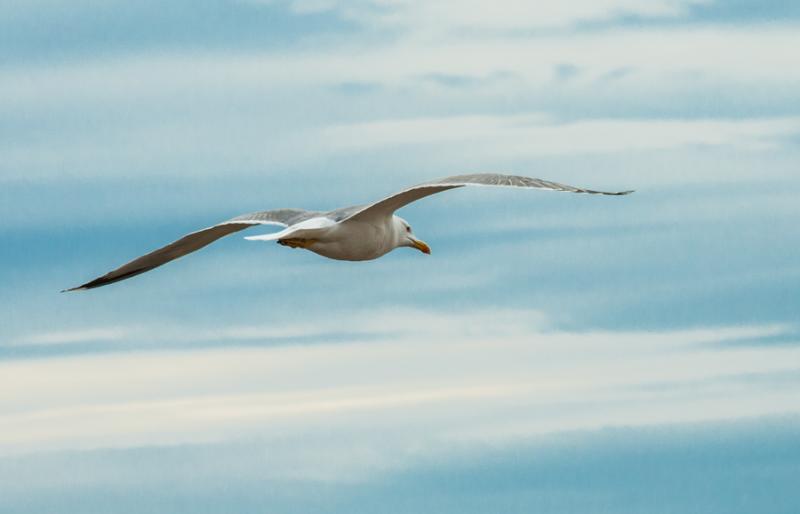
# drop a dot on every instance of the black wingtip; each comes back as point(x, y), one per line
point(71, 289)
point(106, 279)
point(607, 193)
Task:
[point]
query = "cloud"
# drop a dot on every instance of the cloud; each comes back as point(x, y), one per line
point(482, 375)
point(376, 323)
point(248, 112)
point(442, 16)
point(62, 337)
point(532, 135)
point(627, 470)
point(685, 57)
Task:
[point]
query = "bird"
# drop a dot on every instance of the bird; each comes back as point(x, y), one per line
point(356, 233)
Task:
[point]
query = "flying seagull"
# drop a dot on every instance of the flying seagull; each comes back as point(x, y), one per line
point(358, 233)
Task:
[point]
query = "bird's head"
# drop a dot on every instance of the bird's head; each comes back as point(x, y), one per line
point(405, 236)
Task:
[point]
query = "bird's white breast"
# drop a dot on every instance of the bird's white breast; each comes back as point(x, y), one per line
point(355, 241)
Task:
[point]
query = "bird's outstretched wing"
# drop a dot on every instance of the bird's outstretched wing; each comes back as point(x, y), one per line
point(197, 240)
point(390, 204)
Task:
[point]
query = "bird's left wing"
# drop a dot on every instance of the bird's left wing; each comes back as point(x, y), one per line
point(391, 203)
point(197, 240)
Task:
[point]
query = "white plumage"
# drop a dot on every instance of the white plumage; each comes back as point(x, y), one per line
point(357, 233)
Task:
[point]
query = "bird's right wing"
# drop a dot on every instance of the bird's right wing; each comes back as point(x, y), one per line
point(197, 240)
point(388, 205)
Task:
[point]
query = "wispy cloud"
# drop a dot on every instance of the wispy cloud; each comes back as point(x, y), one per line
point(442, 16)
point(379, 324)
point(452, 374)
point(533, 135)
point(685, 57)
point(626, 470)
point(62, 337)
point(236, 113)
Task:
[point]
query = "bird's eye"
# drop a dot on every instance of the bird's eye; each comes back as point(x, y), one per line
point(408, 229)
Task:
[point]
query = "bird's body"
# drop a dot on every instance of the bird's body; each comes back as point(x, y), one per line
point(358, 233)
point(354, 241)
point(351, 240)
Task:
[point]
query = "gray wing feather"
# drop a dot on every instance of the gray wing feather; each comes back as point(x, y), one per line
point(195, 241)
point(390, 204)
point(344, 213)
point(284, 217)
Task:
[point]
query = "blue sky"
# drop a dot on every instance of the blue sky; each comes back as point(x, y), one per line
point(556, 353)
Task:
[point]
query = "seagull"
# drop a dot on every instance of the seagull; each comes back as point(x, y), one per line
point(357, 233)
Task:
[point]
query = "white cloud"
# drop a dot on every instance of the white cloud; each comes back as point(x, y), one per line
point(524, 136)
point(215, 114)
point(658, 60)
point(90, 335)
point(218, 114)
point(481, 374)
point(441, 16)
point(377, 322)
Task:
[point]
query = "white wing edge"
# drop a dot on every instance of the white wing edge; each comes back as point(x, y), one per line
point(301, 229)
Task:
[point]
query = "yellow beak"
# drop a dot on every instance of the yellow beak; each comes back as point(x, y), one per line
point(421, 246)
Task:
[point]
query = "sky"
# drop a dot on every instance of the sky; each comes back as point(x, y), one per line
point(556, 352)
